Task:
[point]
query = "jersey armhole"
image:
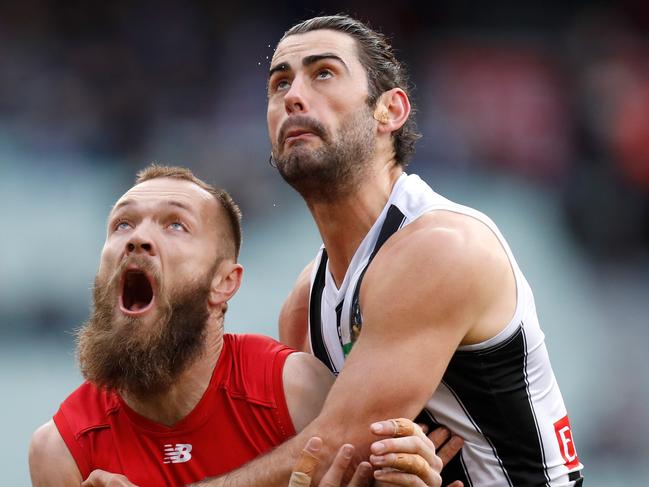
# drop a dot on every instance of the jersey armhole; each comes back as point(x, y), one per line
point(282, 415)
point(71, 442)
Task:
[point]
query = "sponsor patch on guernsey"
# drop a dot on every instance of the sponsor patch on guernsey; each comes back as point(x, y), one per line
point(566, 443)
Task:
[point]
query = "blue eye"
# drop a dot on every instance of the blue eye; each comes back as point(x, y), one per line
point(324, 74)
point(179, 227)
point(122, 225)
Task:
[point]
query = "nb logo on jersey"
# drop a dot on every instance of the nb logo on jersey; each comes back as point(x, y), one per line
point(178, 453)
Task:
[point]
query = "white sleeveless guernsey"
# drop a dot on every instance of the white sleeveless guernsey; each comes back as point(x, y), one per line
point(500, 395)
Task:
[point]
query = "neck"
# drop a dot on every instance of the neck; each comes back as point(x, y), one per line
point(187, 390)
point(343, 223)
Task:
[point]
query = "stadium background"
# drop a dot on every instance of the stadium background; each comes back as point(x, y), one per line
point(535, 112)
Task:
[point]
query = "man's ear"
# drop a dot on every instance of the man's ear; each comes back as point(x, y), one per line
point(225, 283)
point(392, 110)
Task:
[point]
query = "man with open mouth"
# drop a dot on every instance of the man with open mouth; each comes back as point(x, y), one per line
point(170, 398)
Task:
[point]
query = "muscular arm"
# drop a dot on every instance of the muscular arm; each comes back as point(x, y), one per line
point(294, 315)
point(50, 461)
point(306, 384)
point(426, 290)
point(440, 282)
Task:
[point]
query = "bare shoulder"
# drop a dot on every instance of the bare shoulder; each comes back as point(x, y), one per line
point(294, 315)
point(306, 384)
point(451, 234)
point(50, 461)
point(451, 265)
point(452, 245)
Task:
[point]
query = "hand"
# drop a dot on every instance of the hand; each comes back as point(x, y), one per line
point(408, 458)
point(101, 478)
point(308, 461)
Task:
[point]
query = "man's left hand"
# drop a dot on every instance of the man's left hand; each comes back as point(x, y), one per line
point(408, 457)
point(101, 478)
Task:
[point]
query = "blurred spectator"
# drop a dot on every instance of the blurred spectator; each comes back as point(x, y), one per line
point(507, 104)
point(607, 198)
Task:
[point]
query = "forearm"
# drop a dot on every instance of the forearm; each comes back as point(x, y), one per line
point(270, 470)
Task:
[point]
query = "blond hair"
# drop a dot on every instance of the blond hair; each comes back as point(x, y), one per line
point(155, 171)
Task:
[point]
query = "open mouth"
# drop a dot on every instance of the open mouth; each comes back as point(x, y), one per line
point(137, 292)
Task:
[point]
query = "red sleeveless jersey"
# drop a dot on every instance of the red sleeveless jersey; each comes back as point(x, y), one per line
point(242, 414)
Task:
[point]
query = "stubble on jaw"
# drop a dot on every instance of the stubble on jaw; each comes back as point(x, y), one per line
point(336, 168)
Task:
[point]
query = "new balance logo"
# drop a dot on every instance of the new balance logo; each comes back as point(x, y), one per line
point(178, 453)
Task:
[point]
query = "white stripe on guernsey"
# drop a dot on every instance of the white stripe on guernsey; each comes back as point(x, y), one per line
point(330, 340)
point(466, 470)
point(480, 453)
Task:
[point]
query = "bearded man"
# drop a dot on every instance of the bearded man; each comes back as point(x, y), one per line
point(170, 398)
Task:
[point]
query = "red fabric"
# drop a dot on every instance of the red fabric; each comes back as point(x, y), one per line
point(242, 414)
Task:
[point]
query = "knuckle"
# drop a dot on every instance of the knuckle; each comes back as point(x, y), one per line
point(420, 444)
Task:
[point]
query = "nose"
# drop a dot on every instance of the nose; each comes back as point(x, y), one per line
point(295, 99)
point(139, 243)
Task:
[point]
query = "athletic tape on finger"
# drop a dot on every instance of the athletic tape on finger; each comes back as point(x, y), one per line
point(411, 463)
point(404, 427)
point(299, 479)
point(303, 470)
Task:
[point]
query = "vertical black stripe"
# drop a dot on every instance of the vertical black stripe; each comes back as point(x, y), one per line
point(455, 468)
point(339, 312)
point(529, 398)
point(491, 385)
point(393, 221)
point(477, 428)
point(318, 346)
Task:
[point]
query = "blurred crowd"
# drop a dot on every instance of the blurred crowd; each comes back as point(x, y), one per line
point(557, 93)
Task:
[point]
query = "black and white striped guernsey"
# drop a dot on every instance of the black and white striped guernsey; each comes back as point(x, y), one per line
point(500, 395)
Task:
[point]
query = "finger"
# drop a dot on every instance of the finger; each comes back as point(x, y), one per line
point(399, 427)
point(410, 444)
point(362, 475)
point(457, 483)
point(306, 464)
point(101, 478)
point(424, 427)
point(450, 449)
point(405, 462)
point(334, 475)
point(394, 477)
point(439, 436)
point(97, 478)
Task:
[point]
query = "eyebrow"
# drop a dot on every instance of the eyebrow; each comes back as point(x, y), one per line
point(307, 61)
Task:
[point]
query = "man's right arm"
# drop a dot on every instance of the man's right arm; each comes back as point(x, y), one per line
point(50, 461)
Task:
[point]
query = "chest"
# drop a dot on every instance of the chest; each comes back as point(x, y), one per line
point(335, 314)
point(235, 433)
